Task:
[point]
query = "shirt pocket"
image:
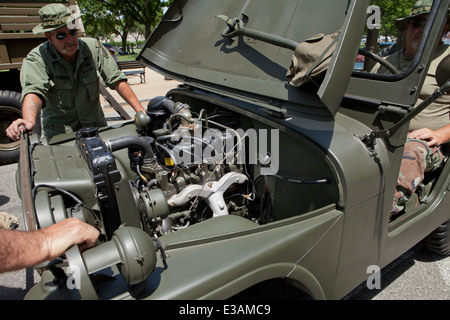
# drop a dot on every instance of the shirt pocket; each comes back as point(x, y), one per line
point(91, 82)
point(60, 94)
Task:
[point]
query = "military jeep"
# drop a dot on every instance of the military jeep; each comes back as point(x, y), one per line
point(274, 159)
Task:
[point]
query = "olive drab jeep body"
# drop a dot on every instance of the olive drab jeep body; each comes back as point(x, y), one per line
point(274, 160)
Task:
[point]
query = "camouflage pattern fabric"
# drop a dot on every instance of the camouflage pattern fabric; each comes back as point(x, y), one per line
point(418, 159)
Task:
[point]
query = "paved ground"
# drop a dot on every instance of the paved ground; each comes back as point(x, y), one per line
point(155, 85)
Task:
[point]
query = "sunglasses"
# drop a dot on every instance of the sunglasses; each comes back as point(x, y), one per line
point(63, 35)
point(419, 22)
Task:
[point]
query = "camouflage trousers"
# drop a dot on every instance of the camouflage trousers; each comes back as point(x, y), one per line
point(418, 159)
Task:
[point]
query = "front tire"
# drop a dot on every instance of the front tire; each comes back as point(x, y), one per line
point(439, 240)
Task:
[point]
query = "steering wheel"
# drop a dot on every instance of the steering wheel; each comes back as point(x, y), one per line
point(380, 60)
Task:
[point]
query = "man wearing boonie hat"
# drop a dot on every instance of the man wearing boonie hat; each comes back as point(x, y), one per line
point(430, 129)
point(61, 78)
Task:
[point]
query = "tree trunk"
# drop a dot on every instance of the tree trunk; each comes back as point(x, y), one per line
point(124, 40)
point(148, 30)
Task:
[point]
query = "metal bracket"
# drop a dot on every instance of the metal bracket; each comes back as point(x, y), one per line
point(369, 140)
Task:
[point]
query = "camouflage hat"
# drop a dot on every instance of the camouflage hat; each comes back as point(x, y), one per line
point(420, 7)
point(54, 16)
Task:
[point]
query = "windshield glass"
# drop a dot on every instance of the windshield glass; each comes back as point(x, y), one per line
point(394, 38)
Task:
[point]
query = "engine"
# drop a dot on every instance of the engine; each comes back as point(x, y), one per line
point(187, 170)
point(173, 168)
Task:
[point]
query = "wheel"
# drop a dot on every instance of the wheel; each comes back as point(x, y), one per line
point(439, 240)
point(10, 110)
point(380, 60)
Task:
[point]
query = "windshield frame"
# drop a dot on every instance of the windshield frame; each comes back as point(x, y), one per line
point(417, 58)
point(401, 90)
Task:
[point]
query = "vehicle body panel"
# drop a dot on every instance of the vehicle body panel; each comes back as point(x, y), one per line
point(219, 62)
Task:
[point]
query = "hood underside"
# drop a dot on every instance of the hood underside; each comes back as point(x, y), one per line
point(192, 44)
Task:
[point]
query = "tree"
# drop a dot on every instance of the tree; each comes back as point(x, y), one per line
point(137, 31)
point(120, 16)
point(145, 12)
point(102, 18)
point(96, 20)
point(391, 10)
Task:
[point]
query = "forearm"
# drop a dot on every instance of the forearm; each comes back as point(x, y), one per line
point(128, 95)
point(22, 250)
point(32, 105)
point(433, 138)
point(444, 134)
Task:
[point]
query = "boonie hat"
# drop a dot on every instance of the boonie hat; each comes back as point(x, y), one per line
point(420, 7)
point(54, 16)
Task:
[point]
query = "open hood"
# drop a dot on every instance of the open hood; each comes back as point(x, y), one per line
point(246, 48)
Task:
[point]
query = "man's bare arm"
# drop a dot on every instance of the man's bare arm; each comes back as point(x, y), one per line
point(433, 138)
point(125, 91)
point(31, 106)
point(21, 250)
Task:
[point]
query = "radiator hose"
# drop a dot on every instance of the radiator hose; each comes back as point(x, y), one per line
point(142, 143)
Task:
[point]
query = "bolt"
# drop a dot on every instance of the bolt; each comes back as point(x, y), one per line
point(139, 259)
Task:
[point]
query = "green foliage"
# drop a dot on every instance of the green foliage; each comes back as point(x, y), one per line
point(106, 17)
point(391, 10)
point(129, 57)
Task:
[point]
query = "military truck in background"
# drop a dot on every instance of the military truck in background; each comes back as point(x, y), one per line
point(17, 20)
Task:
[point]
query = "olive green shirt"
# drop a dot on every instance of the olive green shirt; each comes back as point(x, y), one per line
point(437, 114)
point(70, 91)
